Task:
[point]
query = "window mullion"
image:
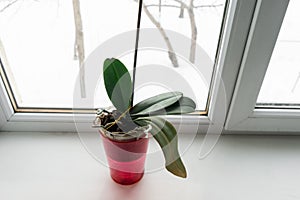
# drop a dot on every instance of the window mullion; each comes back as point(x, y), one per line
point(265, 27)
point(233, 42)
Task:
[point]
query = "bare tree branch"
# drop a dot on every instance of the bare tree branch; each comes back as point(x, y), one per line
point(8, 5)
point(181, 14)
point(172, 55)
point(190, 9)
point(79, 45)
point(168, 6)
point(194, 32)
point(159, 6)
point(208, 6)
point(159, 10)
point(182, 7)
point(193, 28)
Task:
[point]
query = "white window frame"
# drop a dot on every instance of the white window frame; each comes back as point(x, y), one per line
point(243, 116)
point(245, 29)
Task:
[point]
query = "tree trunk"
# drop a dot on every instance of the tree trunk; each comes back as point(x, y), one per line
point(193, 35)
point(79, 45)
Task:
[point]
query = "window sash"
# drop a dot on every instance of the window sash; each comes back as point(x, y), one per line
point(243, 116)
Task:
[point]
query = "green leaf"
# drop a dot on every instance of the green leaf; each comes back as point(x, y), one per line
point(184, 105)
point(155, 103)
point(118, 83)
point(180, 110)
point(166, 136)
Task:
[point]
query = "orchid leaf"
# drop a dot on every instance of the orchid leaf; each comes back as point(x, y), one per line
point(155, 103)
point(118, 83)
point(184, 105)
point(166, 136)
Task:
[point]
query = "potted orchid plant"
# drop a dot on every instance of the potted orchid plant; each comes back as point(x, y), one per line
point(126, 130)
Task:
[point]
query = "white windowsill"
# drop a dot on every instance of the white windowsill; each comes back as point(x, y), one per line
point(56, 166)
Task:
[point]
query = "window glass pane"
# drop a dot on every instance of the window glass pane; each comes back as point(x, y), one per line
point(39, 36)
point(180, 23)
point(281, 86)
point(37, 42)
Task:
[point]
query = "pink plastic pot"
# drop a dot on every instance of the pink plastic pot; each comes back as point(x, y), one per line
point(126, 159)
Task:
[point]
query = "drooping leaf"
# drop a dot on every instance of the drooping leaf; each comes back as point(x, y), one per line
point(155, 103)
point(184, 105)
point(118, 83)
point(166, 136)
